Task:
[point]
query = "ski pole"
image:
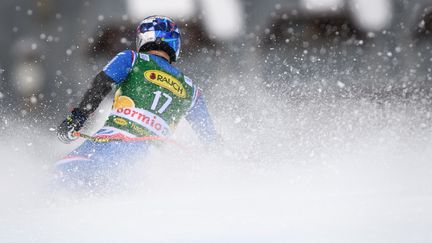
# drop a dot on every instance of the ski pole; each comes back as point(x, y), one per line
point(125, 139)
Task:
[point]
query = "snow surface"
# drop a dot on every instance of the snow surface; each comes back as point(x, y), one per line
point(320, 170)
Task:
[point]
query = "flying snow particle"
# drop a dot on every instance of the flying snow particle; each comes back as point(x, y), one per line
point(68, 52)
point(29, 12)
point(69, 91)
point(101, 17)
point(1, 95)
point(33, 99)
point(42, 36)
point(422, 24)
point(34, 46)
point(340, 84)
point(237, 120)
point(314, 59)
point(398, 49)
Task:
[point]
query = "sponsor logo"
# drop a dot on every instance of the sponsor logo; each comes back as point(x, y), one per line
point(105, 131)
point(150, 121)
point(138, 129)
point(123, 102)
point(188, 81)
point(112, 131)
point(166, 81)
point(120, 121)
point(144, 57)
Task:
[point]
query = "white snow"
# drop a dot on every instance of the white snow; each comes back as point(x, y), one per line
point(334, 172)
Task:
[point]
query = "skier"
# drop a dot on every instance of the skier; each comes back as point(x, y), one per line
point(151, 98)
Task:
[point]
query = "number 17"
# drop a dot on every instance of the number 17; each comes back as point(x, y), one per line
point(155, 103)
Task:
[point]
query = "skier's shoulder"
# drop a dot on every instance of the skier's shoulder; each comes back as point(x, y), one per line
point(119, 66)
point(125, 54)
point(189, 81)
point(125, 57)
point(196, 90)
point(186, 80)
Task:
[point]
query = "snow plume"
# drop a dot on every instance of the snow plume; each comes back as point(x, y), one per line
point(293, 170)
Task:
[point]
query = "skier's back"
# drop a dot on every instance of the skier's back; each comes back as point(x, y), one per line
point(151, 98)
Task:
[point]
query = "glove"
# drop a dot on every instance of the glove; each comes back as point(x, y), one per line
point(73, 123)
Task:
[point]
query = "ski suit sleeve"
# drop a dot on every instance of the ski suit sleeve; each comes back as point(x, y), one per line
point(114, 72)
point(120, 66)
point(200, 120)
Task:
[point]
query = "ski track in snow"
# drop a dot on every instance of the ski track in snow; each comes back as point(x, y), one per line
point(341, 171)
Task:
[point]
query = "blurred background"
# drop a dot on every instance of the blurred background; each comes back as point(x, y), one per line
point(52, 49)
point(324, 106)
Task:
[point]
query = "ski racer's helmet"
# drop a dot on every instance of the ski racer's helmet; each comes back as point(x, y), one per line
point(159, 33)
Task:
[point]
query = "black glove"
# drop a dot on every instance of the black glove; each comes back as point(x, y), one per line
point(73, 123)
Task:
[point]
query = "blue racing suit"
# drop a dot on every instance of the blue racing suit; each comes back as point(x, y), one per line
point(96, 164)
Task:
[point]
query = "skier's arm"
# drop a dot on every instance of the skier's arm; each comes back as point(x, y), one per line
point(199, 118)
point(99, 89)
point(113, 73)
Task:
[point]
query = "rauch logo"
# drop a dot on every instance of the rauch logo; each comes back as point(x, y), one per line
point(166, 81)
